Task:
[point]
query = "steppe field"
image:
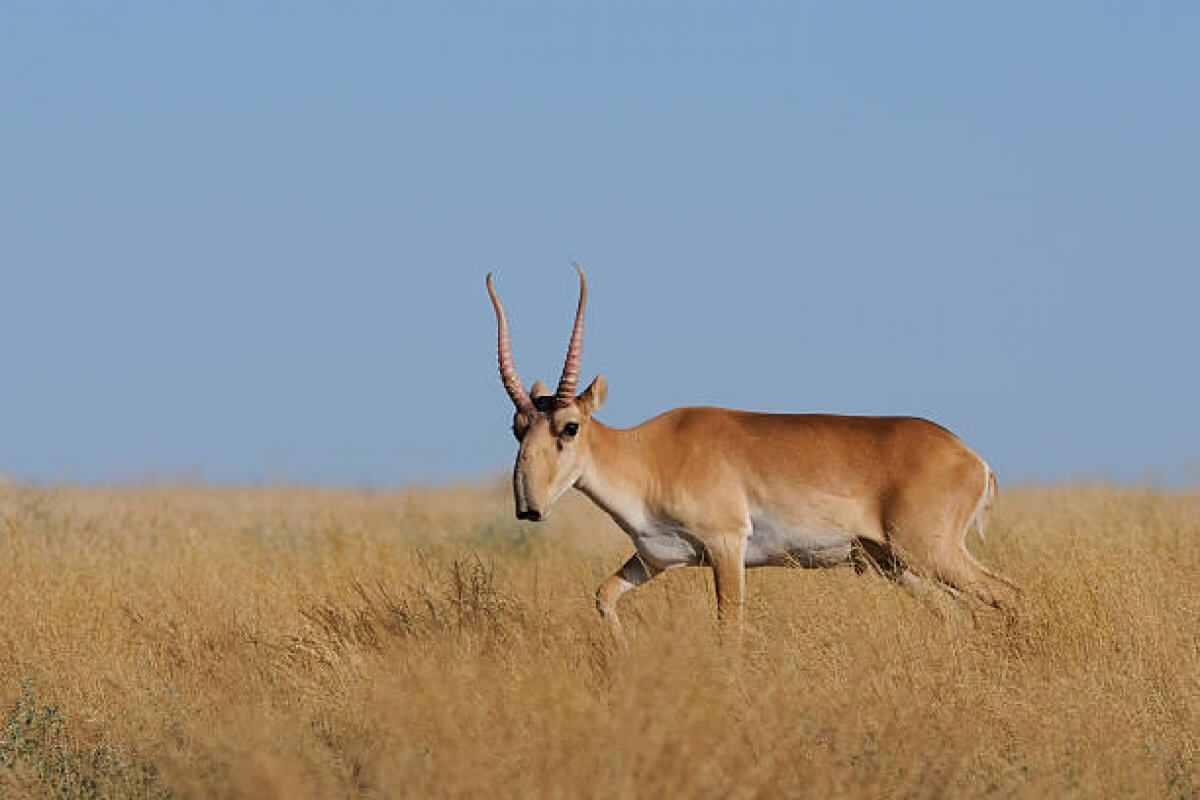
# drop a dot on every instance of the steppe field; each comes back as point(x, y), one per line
point(279, 642)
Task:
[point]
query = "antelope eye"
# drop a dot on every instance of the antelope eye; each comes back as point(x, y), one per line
point(570, 429)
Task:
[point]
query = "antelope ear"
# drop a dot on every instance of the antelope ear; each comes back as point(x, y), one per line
point(539, 389)
point(593, 397)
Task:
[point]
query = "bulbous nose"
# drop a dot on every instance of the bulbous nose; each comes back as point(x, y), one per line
point(531, 515)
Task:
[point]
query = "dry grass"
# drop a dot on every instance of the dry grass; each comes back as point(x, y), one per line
point(305, 643)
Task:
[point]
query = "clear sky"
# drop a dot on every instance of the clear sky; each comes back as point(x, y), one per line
point(247, 241)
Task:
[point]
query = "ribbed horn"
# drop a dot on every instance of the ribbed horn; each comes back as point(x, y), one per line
point(508, 370)
point(570, 374)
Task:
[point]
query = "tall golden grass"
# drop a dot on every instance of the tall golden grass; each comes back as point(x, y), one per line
point(332, 643)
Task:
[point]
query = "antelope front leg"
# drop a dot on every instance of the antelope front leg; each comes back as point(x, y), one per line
point(631, 575)
point(728, 556)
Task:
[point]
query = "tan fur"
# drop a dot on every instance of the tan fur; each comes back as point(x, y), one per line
point(727, 488)
point(903, 483)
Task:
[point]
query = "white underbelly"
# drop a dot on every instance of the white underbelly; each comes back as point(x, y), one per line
point(768, 543)
point(774, 543)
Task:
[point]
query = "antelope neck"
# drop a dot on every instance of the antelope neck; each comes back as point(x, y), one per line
point(613, 475)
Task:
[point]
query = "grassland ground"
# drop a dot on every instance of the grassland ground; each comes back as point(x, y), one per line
point(277, 642)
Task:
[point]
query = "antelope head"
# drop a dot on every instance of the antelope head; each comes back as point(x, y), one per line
point(552, 429)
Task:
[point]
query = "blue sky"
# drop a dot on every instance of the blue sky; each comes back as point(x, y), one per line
point(246, 242)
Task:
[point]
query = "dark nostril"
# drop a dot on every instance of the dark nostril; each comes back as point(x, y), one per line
point(533, 516)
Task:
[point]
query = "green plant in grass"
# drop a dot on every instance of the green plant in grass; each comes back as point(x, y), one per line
point(35, 748)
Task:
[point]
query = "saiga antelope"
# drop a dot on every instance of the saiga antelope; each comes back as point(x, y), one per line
point(735, 489)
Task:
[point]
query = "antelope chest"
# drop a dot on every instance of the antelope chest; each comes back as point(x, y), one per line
point(664, 544)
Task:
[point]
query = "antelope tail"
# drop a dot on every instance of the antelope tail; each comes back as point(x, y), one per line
point(984, 508)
